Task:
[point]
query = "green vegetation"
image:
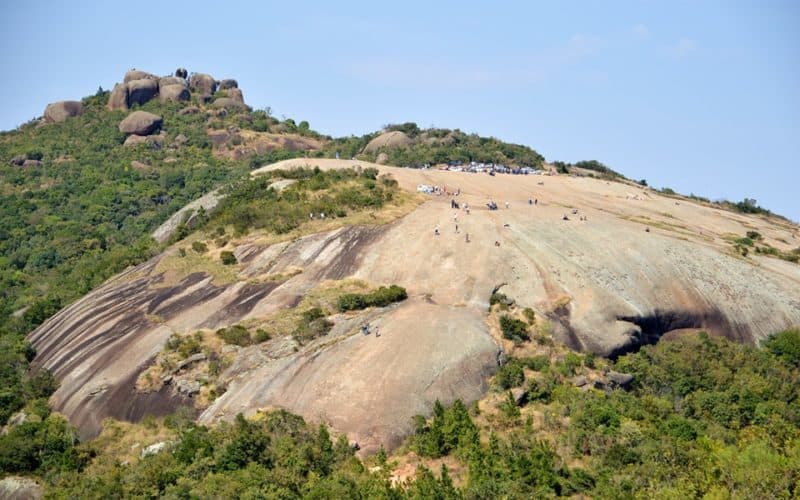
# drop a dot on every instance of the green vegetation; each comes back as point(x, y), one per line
point(435, 146)
point(235, 335)
point(227, 258)
point(703, 417)
point(594, 165)
point(514, 329)
point(753, 241)
point(250, 204)
point(312, 324)
point(381, 297)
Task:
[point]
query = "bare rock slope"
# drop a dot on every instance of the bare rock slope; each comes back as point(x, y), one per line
point(627, 267)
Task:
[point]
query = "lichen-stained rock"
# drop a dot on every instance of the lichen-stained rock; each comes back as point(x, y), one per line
point(140, 123)
point(59, 111)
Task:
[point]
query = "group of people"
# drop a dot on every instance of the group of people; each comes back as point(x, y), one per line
point(365, 330)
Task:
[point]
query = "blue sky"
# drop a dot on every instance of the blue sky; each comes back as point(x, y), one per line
point(698, 96)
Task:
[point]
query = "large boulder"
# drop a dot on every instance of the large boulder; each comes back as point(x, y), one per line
point(228, 103)
point(136, 74)
point(59, 111)
point(173, 93)
point(203, 84)
point(154, 141)
point(141, 91)
point(228, 83)
point(171, 80)
point(236, 95)
point(118, 98)
point(140, 123)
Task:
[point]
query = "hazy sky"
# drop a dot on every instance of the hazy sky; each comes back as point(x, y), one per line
point(698, 96)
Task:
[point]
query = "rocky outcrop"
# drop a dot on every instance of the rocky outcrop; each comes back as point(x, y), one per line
point(141, 91)
point(173, 93)
point(140, 123)
point(57, 112)
point(394, 139)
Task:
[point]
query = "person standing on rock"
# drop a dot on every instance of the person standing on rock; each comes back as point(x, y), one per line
point(467, 237)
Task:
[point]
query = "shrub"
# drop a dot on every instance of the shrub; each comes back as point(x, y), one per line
point(381, 297)
point(754, 235)
point(199, 247)
point(514, 329)
point(262, 335)
point(312, 324)
point(536, 363)
point(510, 375)
point(235, 335)
point(530, 316)
point(227, 257)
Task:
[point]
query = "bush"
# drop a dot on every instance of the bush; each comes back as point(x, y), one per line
point(199, 247)
point(510, 375)
point(536, 363)
point(235, 335)
point(754, 235)
point(227, 257)
point(381, 297)
point(514, 329)
point(262, 335)
point(530, 315)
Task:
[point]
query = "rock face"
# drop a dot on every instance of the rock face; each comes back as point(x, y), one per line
point(173, 93)
point(118, 100)
point(207, 202)
point(141, 91)
point(394, 139)
point(57, 112)
point(436, 344)
point(140, 123)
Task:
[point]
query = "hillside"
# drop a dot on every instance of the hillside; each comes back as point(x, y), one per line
point(363, 296)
